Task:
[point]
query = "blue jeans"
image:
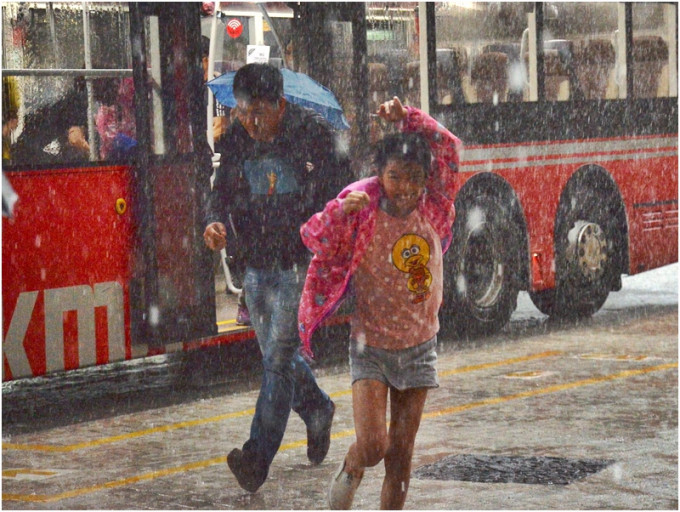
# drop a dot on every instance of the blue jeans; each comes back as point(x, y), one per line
point(273, 298)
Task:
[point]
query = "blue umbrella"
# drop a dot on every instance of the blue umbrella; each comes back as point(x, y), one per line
point(297, 88)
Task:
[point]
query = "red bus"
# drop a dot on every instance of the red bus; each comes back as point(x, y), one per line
point(568, 112)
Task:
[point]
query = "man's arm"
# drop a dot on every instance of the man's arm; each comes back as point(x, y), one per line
point(224, 186)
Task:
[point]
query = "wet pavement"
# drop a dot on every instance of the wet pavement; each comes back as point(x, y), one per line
point(593, 404)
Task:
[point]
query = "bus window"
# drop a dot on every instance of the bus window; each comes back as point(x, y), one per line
point(579, 50)
point(392, 40)
point(654, 39)
point(478, 52)
point(243, 24)
point(61, 79)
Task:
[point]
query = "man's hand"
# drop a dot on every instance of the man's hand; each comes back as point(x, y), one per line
point(215, 236)
point(220, 125)
point(355, 201)
point(392, 110)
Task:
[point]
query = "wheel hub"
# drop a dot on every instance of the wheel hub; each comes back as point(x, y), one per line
point(588, 249)
point(483, 268)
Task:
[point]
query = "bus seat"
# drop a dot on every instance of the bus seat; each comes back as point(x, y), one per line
point(378, 85)
point(650, 54)
point(411, 84)
point(451, 70)
point(515, 75)
point(594, 61)
point(557, 55)
point(490, 76)
point(510, 49)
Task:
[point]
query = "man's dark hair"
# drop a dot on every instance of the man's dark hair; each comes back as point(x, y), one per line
point(408, 147)
point(205, 47)
point(258, 81)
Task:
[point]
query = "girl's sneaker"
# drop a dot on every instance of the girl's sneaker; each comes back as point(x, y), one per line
point(342, 489)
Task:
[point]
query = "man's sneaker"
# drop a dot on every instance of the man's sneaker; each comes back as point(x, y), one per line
point(342, 489)
point(248, 473)
point(319, 436)
point(242, 315)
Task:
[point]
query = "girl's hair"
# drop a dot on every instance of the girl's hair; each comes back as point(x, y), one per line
point(408, 147)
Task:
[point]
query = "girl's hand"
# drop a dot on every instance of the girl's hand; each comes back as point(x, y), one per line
point(355, 201)
point(392, 110)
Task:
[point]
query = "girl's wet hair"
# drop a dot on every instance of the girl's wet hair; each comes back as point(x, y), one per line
point(408, 147)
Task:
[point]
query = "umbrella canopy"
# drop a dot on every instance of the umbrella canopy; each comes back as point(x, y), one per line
point(297, 88)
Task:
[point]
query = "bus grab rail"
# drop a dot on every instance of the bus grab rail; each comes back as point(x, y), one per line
point(94, 73)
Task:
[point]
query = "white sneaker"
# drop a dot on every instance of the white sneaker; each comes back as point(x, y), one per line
point(342, 489)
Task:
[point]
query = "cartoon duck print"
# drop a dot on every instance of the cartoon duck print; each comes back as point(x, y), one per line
point(410, 255)
point(272, 183)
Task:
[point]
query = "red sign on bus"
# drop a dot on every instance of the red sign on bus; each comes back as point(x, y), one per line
point(234, 28)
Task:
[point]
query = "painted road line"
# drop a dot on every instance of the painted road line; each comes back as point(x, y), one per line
point(247, 412)
point(528, 375)
point(550, 389)
point(44, 498)
point(29, 474)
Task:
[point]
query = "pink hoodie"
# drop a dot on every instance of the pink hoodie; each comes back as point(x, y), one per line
point(339, 241)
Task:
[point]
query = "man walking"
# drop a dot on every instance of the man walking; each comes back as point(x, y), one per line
point(279, 165)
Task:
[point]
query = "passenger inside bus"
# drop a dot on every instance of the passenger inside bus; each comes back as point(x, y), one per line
point(10, 113)
point(55, 132)
point(115, 119)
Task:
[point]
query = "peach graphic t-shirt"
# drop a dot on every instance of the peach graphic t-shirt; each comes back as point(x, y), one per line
point(398, 284)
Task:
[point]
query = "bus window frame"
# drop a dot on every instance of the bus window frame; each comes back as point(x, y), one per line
point(537, 55)
point(565, 120)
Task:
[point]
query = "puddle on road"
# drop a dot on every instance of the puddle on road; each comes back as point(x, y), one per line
point(510, 469)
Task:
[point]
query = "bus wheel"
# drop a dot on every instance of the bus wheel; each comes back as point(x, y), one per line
point(481, 287)
point(585, 260)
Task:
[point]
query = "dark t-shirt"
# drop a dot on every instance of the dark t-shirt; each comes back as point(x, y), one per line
point(270, 189)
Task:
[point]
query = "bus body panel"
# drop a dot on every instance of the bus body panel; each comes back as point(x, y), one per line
point(70, 242)
point(652, 210)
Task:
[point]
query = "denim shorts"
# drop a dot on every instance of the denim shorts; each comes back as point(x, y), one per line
point(413, 367)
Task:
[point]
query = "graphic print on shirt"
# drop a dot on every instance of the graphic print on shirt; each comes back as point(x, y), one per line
point(270, 176)
point(410, 255)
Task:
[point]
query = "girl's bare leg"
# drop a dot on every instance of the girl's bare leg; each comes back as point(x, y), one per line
point(406, 409)
point(369, 399)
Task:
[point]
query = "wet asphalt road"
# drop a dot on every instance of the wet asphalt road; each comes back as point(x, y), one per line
point(542, 415)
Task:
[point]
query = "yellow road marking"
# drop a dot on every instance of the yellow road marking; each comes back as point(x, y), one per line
point(514, 360)
point(525, 375)
point(625, 357)
point(247, 412)
point(129, 435)
point(550, 389)
point(346, 433)
point(13, 473)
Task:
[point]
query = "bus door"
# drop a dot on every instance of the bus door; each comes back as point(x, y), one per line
point(172, 290)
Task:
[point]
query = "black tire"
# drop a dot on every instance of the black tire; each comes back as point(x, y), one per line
point(587, 251)
point(481, 285)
